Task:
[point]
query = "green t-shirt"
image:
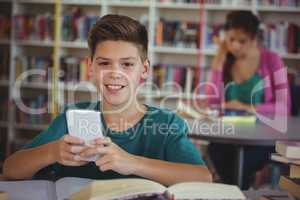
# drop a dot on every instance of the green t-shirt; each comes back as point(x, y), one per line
point(243, 91)
point(160, 134)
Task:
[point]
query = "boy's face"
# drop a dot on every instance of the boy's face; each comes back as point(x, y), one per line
point(117, 70)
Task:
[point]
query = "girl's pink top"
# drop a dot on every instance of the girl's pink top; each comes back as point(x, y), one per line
point(276, 87)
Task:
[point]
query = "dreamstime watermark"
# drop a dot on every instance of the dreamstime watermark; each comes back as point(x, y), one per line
point(279, 108)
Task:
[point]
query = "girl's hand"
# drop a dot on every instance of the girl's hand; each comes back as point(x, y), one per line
point(66, 151)
point(237, 105)
point(222, 48)
point(112, 157)
point(220, 56)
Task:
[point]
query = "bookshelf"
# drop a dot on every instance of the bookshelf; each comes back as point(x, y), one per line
point(5, 52)
point(59, 44)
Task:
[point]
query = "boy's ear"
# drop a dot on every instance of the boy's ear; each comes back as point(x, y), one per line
point(146, 69)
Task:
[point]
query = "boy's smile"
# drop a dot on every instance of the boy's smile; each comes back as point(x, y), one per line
point(114, 88)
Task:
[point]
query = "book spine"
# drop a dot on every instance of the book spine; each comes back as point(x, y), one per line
point(76, 25)
point(39, 27)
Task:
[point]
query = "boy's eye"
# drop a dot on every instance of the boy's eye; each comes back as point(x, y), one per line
point(128, 64)
point(103, 63)
point(242, 41)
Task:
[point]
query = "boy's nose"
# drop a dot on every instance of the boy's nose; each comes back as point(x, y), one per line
point(115, 74)
point(236, 45)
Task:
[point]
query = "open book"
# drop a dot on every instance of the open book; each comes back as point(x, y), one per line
point(42, 189)
point(136, 189)
point(3, 196)
point(80, 188)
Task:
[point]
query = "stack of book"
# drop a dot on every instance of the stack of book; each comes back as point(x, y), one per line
point(288, 152)
point(34, 27)
point(75, 26)
point(173, 33)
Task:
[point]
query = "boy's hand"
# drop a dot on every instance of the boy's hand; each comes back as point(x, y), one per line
point(67, 149)
point(112, 157)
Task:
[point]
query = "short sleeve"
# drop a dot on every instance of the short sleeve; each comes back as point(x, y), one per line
point(55, 130)
point(179, 148)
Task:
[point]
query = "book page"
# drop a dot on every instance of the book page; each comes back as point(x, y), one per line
point(29, 190)
point(114, 189)
point(199, 190)
point(3, 196)
point(69, 185)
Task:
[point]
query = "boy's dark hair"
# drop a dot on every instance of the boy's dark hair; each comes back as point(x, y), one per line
point(119, 27)
point(244, 20)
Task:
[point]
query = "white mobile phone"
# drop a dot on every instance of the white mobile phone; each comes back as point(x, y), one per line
point(86, 125)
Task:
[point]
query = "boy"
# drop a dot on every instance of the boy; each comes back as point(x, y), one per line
point(141, 140)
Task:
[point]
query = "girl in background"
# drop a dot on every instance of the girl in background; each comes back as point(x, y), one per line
point(250, 78)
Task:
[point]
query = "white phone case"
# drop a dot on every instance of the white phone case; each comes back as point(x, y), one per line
point(86, 125)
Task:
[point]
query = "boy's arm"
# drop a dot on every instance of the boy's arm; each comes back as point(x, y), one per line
point(25, 163)
point(168, 173)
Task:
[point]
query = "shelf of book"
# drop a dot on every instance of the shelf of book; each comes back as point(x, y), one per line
point(35, 43)
point(36, 85)
point(82, 2)
point(36, 1)
point(4, 42)
point(196, 6)
point(290, 56)
point(75, 44)
point(3, 124)
point(183, 51)
point(175, 50)
point(279, 9)
point(120, 3)
point(36, 127)
point(4, 83)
